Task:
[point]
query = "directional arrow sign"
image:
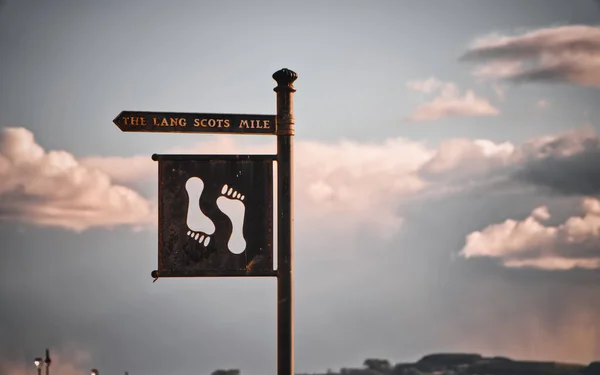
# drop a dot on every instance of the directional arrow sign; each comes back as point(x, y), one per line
point(196, 122)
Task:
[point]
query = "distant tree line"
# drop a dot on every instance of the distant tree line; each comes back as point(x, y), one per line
point(459, 364)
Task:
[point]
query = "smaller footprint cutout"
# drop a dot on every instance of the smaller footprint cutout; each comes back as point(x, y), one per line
point(231, 204)
point(199, 225)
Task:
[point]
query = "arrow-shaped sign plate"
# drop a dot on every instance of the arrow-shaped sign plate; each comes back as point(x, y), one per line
point(177, 122)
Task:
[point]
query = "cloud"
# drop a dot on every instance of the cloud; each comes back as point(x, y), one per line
point(432, 85)
point(467, 106)
point(449, 102)
point(346, 184)
point(541, 213)
point(359, 182)
point(342, 188)
point(565, 164)
point(529, 243)
point(562, 165)
point(558, 54)
point(122, 169)
point(128, 169)
point(469, 157)
point(349, 183)
point(54, 189)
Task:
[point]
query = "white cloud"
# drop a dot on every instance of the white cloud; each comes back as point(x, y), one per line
point(358, 182)
point(541, 213)
point(122, 169)
point(448, 102)
point(127, 169)
point(344, 184)
point(467, 156)
point(341, 185)
point(432, 85)
point(54, 189)
point(557, 54)
point(497, 69)
point(529, 243)
point(347, 184)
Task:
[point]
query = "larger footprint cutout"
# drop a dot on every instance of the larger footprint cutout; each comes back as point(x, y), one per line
point(199, 225)
point(231, 204)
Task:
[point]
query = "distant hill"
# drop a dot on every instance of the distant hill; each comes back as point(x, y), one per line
point(467, 364)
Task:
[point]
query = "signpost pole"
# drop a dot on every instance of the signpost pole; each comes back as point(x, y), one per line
point(182, 236)
point(285, 220)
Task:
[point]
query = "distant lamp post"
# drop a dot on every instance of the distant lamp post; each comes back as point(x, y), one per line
point(94, 372)
point(47, 361)
point(38, 364)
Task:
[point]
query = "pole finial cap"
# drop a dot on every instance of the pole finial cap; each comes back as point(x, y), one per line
point(285, 78)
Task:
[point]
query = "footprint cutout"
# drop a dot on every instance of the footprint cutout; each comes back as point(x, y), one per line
point(199, 225)
point(231, 204)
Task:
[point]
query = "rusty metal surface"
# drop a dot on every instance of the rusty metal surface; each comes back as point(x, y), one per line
point(253, 157)
point(179, 122)
point(184, 251)
point(217, 273)
point(285, 101)
point(285, 220)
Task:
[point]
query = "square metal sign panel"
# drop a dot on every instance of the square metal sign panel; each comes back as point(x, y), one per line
point(215, 214)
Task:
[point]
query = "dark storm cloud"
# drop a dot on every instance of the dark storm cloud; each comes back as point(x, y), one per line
point(559, 54)
point(528, 48)
point(559, 167)
point(574, 174)
point(555, 74)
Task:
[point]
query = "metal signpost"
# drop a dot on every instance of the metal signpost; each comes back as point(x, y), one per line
point(216, 211)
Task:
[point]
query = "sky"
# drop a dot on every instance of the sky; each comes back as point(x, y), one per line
point(446, 189)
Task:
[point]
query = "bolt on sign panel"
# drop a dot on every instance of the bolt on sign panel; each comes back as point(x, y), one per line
point(215, 214)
